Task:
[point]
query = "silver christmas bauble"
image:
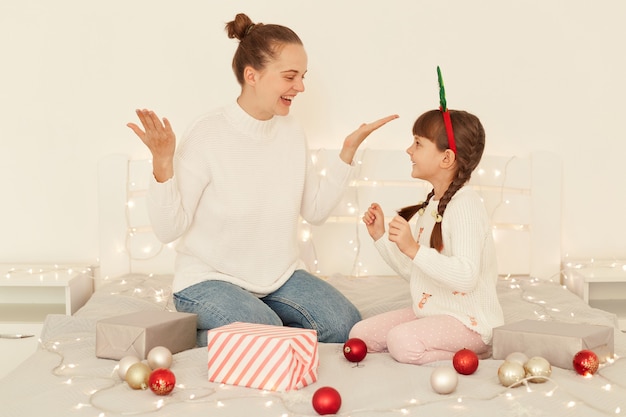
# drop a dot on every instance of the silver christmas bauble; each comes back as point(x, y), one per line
point(518, 357)
point(159, 357)
point(124, 364)
point(444, 380)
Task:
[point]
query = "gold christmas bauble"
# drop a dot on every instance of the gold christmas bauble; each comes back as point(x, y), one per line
point(138, 375)
point(510, 373)
point(539, 367)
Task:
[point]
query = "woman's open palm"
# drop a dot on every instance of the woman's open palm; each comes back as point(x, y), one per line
point(157, 135)
point(160, 139)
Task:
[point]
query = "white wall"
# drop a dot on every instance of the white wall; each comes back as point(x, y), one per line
point(541, 74)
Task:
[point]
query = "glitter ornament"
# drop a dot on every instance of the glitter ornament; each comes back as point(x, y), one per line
point(538, 367)
point(465, 361)
point(159, 357)
point(326, 400)
point(586, 362)
point(510, 373)
point(162, 381)
point(124, 364)
point(137, 375)
point(444, 380)
point(355, 350)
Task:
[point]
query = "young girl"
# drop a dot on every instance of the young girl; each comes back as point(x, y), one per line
point(450, 262)
point(233, 192)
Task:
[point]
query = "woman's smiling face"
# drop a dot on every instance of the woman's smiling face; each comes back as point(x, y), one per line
point(277, 85)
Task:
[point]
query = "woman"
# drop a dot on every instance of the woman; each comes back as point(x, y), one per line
point(234, 191)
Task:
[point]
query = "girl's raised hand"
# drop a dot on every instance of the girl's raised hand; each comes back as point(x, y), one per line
point(400, 234)
point(374, 220)
point(354, 139)
point(160, 139)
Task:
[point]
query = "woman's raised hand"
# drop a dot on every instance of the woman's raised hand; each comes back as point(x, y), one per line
point(160, 139)
point(354, 139)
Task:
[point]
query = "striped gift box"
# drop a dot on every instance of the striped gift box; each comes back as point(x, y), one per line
point(274, 358)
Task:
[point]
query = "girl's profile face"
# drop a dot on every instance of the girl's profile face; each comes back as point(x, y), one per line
point(278, 84)
point(425, 158)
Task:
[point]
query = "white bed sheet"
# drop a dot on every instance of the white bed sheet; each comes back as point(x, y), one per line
point(64, 377)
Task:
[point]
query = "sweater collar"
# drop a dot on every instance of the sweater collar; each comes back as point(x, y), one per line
point(248, 124)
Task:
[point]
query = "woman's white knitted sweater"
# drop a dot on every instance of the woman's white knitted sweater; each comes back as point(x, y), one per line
point(239, 188)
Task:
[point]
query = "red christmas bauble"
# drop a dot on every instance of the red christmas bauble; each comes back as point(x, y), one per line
point(465, 361)
point(354, 350)
point(586, 362)
point(162, 381)
point(326, 400)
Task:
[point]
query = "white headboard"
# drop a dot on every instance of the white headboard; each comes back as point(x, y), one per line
point(522, 196)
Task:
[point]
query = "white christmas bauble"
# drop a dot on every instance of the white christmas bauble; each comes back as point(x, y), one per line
point(444, 380)
point(159, 357)
point(517, 357)
point(124, 364)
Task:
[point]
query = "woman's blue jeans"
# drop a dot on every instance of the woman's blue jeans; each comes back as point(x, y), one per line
point(304, 301)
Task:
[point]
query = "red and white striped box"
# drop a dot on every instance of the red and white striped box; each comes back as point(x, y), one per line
point(274, 358)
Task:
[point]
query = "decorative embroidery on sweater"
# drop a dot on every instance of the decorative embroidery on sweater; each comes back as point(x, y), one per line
point(425, 297)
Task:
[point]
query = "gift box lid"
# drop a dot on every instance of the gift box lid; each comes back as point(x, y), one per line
point(556, 328)
point(146, 318)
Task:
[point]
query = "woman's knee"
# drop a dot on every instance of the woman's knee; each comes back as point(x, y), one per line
point(309, 302)
point(225, 305)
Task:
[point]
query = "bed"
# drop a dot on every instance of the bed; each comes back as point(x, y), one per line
point(522, 195)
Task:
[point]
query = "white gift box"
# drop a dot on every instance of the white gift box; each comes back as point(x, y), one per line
point(274, 358)
point(555, 341)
